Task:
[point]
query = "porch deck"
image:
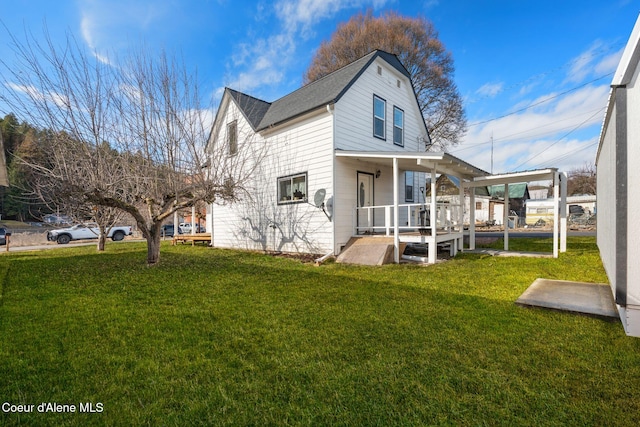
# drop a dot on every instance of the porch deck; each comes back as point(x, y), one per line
point(421, 225)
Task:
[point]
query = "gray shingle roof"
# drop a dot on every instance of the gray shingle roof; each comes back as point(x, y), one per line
point(253, 109)
point(319, 93)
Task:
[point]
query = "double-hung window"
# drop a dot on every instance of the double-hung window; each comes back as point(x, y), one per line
point(398, 126)
point(292, 189)
point(232, 137)
point(379, 107)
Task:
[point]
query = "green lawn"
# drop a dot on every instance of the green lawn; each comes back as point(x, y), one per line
point(213, 337)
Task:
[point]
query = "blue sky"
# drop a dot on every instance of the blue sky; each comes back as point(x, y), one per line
point(534, 75)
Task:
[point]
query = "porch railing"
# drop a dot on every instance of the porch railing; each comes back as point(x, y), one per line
point(412, 217)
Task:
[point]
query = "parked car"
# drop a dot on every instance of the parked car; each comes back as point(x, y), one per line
point(185, 228)
point(3, 236)
point(168, 230)
point(82, 232)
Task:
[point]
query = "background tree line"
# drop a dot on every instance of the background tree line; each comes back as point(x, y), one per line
point(23, 140)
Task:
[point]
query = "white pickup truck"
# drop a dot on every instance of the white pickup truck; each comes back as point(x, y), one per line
point(83, 232)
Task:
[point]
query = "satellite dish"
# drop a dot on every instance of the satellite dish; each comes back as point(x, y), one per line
point(318, 199)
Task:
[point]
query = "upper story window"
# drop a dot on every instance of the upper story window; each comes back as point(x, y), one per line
point(292, 189)
point(398, 126)
point(379, 108)
point(232, 137)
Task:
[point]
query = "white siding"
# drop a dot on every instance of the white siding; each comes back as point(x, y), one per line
point(613, 182)
point(346, 195)
point(354, 112)
point(606, 205)
point(258, 221)
point(633, 192)
point(354, 131)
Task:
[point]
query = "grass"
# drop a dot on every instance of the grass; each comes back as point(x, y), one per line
point(215, 337)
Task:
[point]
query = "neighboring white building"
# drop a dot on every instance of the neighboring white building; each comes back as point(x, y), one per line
point(341, 156)
point(618, 186)
point(543, 208)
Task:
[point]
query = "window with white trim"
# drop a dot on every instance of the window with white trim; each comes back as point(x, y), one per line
point(292, 189)
point(379, 107)
point(398, 126)
point(408, 186)
point(232, 137)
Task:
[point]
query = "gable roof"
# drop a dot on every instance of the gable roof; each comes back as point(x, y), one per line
point(327, 90)
point(626, 68)
point(253, 109)
point(630, 58)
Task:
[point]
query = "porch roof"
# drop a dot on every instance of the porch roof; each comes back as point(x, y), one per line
point(444, 163)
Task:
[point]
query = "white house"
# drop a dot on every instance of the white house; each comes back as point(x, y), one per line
point(343, 156)
point(618, 186)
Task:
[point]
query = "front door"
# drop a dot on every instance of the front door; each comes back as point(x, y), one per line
point(365, 199)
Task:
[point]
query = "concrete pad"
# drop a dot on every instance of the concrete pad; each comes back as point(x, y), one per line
point(594, 299)
point(502, 253)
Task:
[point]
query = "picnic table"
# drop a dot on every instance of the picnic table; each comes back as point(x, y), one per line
point(193, 238)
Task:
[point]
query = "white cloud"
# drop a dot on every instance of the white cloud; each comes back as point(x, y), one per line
point(548, 135)
point(609, 63)
point(490, 89)
point(35, 94)
point(264, 61)
point(594, 62)
point(301, 15)
point(107, 25)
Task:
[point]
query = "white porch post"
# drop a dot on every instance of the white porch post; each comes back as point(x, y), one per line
point(472, 218)
point(396, 236)
point(433, 217)
point(556, 195)
point(460, 241)
point(193, 219)
point(563, 212)
point(506, 217)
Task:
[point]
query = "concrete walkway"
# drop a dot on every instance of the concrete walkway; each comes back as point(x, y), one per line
point(593, 299)
point(502, 253)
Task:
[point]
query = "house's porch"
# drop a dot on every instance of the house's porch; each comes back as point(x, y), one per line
point(439, 220)
point(432, 222)
point(415, 224)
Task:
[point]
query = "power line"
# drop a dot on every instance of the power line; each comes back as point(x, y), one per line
point(540, 102)
point(564, 156)
point(508, 138)
point(557, 141)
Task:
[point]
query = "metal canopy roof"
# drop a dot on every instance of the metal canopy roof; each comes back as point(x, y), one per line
point(513, 178)
point(444, 163)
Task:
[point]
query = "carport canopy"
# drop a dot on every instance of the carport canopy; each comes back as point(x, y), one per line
point(559, 180)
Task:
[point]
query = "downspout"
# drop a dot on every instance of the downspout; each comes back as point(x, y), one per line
point(330, 108)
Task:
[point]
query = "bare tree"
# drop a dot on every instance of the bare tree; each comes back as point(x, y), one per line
point(582, 180)
point(415, 42)
point(128, 135)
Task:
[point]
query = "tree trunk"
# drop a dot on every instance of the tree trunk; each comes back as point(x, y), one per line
point(153, 246)
point(102, 238)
